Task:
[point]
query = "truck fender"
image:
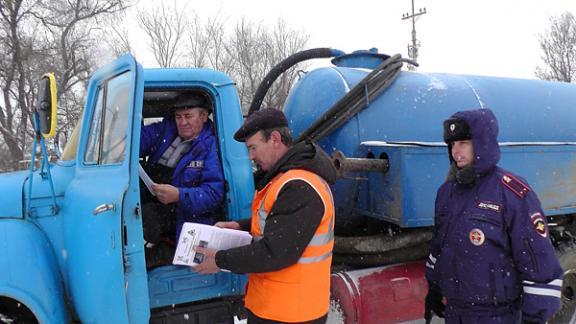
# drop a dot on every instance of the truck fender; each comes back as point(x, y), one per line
point(29, 272)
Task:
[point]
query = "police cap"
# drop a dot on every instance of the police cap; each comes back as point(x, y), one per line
point(456, 129)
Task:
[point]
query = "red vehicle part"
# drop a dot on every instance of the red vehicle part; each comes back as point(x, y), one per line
point(388, 294)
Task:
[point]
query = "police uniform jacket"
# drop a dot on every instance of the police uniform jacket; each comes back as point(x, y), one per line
point(491, 251)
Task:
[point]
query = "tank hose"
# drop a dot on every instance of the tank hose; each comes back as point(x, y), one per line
point(281, 67)
point(356, 99)
point(406, 254)
point(375, 244)
point(379, 250)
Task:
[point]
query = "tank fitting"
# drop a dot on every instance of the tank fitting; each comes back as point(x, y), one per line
point(344, 164)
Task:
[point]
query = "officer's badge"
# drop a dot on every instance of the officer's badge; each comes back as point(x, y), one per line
point(196, 164)
point(477, 237)
point(539, 224)
point(487, 205)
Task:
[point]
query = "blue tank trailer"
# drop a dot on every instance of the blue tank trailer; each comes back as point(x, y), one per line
point(72, 230)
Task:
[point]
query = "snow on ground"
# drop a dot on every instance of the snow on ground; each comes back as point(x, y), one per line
point(335, 316)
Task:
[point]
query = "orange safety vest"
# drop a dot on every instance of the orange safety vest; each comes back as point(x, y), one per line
point(300, 292)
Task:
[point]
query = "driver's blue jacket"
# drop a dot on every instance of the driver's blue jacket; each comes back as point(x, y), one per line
point(198, 174)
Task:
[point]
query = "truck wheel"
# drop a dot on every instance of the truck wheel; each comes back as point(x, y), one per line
point(12, 311)
point(567, 257)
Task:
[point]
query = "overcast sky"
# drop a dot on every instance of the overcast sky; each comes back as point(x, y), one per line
point(481, 37)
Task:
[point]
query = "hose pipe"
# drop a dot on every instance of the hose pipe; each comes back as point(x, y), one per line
point(281, 67)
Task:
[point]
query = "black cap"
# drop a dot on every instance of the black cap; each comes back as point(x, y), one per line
point(456, 129)
point(259, 120)
point(186, 101)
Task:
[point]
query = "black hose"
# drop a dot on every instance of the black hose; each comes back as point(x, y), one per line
point(281, 67)
point(406, 254)
point(356, 99)
point(381, 243)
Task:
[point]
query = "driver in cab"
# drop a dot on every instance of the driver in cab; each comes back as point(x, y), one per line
point(182, 160)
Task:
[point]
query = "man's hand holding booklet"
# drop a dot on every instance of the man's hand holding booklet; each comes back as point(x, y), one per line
point(199, 235)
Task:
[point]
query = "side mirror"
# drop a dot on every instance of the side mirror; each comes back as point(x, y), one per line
point(46, 105)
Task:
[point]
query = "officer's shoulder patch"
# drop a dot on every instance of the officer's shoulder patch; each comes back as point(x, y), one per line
point(539, 224)
point(515, 185)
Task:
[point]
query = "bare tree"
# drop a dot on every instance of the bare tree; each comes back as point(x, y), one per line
point(166, 29)
point(285, 42)
point(558, 45)
point(120, 43)
point(246, 53)
point(256, 50)
point(199, 42)
point(208, 47)
point(247, 46)
point(38, 36)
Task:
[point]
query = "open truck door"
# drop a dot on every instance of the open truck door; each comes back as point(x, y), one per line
point(103, 229)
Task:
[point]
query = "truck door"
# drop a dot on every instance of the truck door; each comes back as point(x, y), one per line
point(102, 230)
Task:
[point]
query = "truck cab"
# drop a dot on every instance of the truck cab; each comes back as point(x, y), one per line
point(72, 230)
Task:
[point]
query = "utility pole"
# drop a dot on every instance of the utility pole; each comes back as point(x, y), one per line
point(413, 49)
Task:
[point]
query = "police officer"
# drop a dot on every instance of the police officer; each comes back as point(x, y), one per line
point(292, 224)
point(183, 162)
point(491, 255)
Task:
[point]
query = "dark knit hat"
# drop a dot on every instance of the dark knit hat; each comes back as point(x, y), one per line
point(187, 101)
point(259, 120)
point(456, 129)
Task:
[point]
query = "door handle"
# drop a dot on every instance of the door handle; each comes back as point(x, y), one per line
point(102, 208)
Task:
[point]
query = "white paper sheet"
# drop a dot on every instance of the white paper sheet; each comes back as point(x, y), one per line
point(194, 234)
point(147, 181)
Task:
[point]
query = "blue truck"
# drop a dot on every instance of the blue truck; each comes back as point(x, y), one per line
point(71, 230)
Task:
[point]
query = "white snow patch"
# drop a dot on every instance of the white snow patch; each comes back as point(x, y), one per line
point(335, 314)
point(436, 84)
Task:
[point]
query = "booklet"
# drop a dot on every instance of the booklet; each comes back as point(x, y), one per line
point(194, 234)
point(146, 179)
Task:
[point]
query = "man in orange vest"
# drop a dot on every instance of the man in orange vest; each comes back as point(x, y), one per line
point(292, 224)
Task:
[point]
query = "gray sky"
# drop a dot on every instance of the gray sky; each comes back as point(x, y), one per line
point(481, 37)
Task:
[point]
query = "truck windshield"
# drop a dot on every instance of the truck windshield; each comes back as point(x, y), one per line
point(71, 148)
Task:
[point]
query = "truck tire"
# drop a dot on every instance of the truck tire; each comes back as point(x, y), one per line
point(12, 311)
point(567, 257)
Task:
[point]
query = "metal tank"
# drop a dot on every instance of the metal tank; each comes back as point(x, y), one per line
point(383, 127)
point(402, 127)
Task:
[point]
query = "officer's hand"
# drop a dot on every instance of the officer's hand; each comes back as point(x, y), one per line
point(232, 225)
point(166, 193)
point(433, 303)
point(208, 265)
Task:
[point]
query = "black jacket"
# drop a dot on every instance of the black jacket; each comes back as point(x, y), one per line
point(293, 219)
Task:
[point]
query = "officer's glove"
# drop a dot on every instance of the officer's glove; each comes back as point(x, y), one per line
point(433, 303)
